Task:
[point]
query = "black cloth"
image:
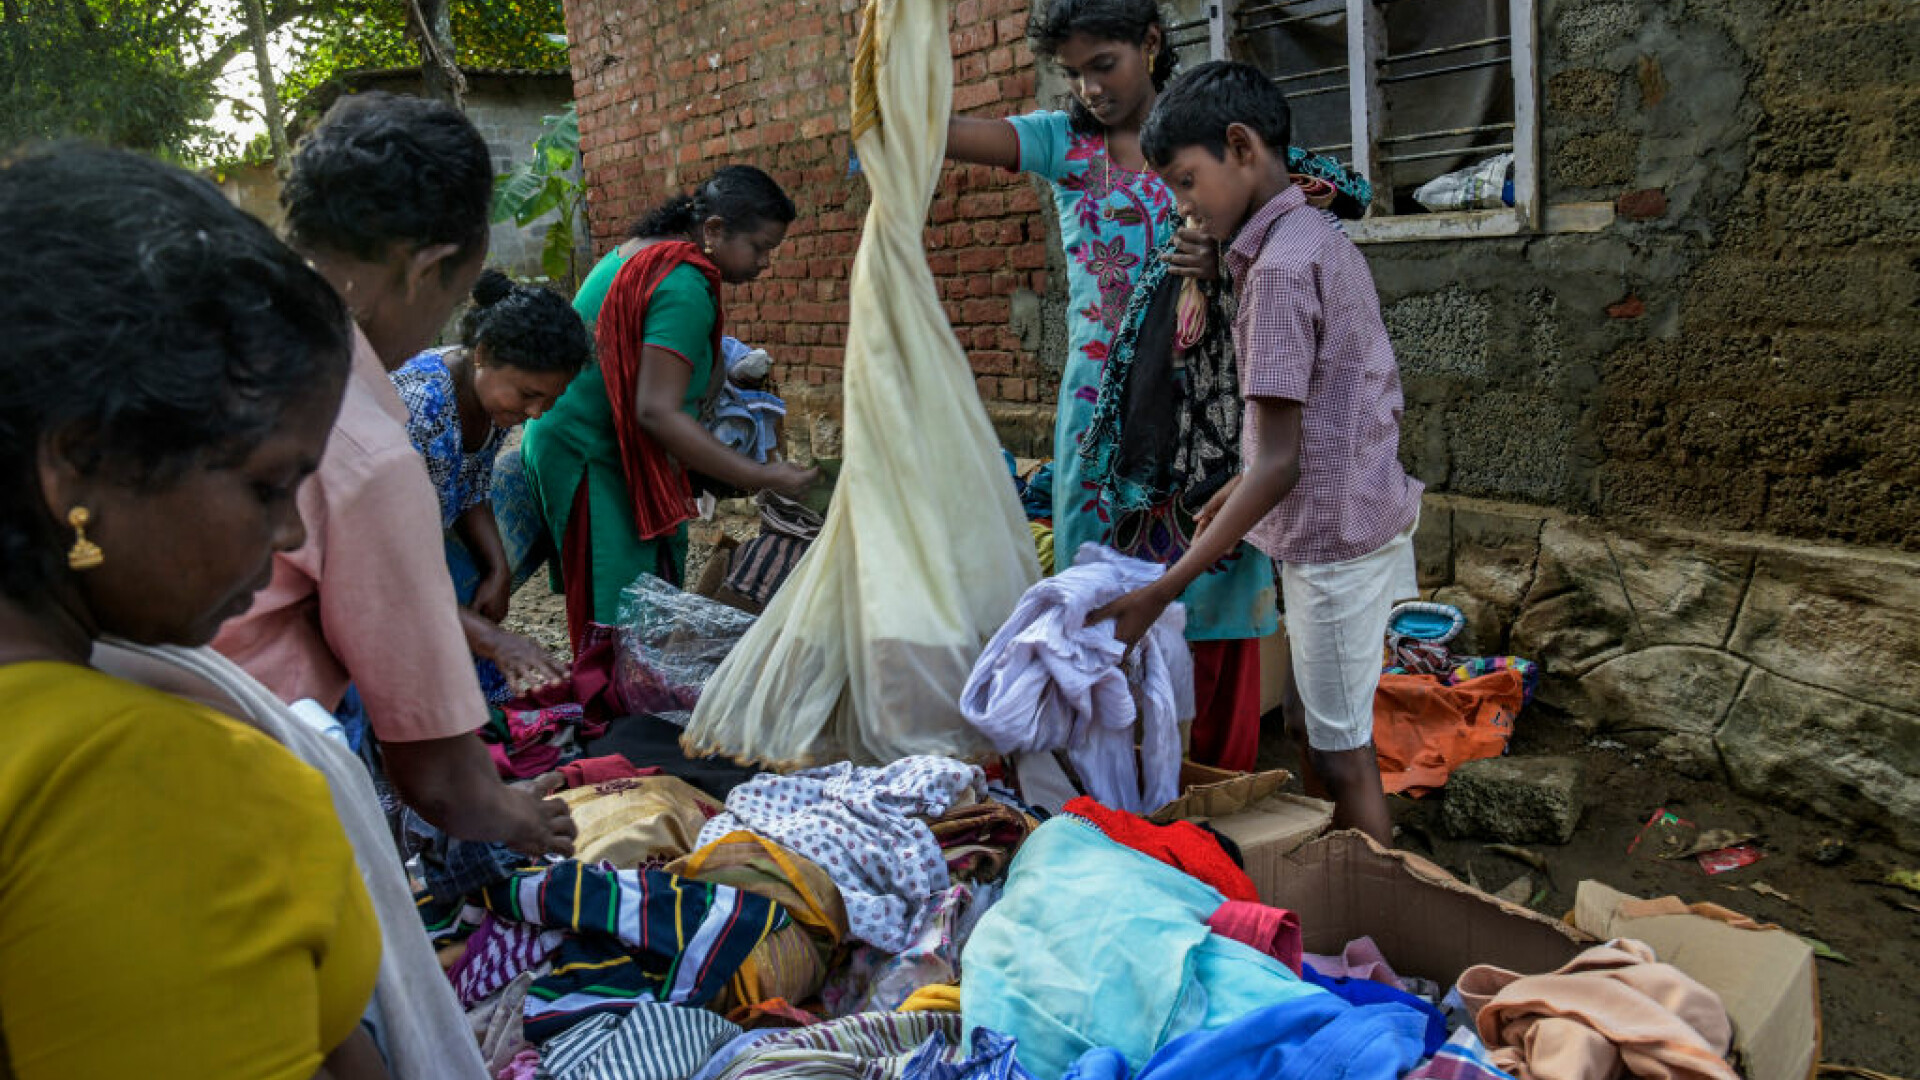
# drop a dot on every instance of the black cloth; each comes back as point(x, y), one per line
point(650, 741)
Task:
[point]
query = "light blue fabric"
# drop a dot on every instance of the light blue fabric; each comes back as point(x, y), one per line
point(1095, 945)
point(744, 420)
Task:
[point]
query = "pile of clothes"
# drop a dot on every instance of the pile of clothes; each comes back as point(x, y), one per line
point(917, 921)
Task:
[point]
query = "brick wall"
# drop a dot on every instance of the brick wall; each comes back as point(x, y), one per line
point(669, 90)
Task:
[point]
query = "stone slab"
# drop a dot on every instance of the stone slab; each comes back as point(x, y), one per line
point(1837, 756)
point(1516, 800)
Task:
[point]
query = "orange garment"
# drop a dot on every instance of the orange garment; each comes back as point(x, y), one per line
point(1614, 1008)
point(1424, 729)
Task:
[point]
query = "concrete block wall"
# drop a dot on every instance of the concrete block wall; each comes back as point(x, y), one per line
point(1741, 348)
point(669, 90)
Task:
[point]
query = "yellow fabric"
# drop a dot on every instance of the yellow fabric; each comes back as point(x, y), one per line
point(177, 898)
point(638, 822)
point(756, 864)
point(937, 997)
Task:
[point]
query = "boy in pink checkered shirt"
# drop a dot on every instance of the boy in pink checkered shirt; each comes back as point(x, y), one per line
point(1321, 489)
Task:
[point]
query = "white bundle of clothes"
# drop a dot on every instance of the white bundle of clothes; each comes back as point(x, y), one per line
point(1049, 681)
point(862, 653)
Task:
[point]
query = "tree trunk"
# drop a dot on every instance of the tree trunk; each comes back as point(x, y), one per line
point(269, 90)
point(430, 24)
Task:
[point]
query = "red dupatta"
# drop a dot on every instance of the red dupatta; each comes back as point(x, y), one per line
point(662, 495)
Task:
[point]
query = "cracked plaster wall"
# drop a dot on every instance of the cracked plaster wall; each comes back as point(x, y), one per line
point(1784, 668)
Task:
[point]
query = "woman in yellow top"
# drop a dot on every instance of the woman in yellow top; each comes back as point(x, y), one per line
point(177, 898)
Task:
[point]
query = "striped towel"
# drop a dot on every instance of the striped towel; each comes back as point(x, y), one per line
point(635, 935)
point(651, 1042)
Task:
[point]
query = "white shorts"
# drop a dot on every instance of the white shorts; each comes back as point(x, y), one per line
point(1336, 615)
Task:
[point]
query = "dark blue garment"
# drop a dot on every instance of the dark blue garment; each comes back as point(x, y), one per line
point(992, 1059)
point(1368, 992)
point(1312, 1038)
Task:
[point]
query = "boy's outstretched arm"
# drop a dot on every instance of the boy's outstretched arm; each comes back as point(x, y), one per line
point(1263, 482)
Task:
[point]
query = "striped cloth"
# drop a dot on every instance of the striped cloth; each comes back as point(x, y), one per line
point(636, 935)
point(496, 953)
point(651, 1042)
point(867, 1046)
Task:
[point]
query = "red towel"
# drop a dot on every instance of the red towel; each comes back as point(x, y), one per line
point(1274, 931)
point(1182, 845)
point(598, 770)
point(662, 495)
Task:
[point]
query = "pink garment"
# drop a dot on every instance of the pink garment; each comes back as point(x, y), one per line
point(1274, 931)
point(1308, 329)
point(1614, 1008)
point(384, 618)
point(538, 738)
point(599, 770)
point(524, 1066)
point(1361, 959)
point(496, 954)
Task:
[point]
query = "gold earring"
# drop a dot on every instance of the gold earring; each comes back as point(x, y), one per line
point(84, 554)
point(708, 249)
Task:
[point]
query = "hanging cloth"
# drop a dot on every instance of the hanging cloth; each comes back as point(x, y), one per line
point(863, 652)
point(662, 494)
point(1167, 422)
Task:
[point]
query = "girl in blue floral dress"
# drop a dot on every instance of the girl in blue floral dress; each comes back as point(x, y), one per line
point(520, 347)
point(1115, 215)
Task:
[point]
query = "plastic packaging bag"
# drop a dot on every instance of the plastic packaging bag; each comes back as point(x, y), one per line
point(1485, 186)
point(670, 642)
point(862, 653)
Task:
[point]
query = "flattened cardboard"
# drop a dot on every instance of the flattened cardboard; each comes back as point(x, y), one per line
point(1765, 978)
point(1426, 922)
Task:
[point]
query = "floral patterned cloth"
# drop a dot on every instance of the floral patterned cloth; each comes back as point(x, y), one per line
point(863, 827)
point(1112, 219)
point(461, 480)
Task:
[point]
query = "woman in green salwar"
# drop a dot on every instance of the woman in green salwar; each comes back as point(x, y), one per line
point(616, 462)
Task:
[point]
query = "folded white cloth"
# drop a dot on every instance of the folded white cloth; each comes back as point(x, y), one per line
point(1048, 681)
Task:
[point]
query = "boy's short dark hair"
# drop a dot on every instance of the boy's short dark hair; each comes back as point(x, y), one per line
point(1197, 107)
point(384, 167)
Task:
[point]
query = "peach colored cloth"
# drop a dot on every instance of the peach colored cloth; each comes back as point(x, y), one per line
point(1614, 1010)
point(367, 599)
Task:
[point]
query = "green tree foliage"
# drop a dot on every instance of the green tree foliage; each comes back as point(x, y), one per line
point(544, 184)
point(373, 34)
point(145, 73)
point(136, 73)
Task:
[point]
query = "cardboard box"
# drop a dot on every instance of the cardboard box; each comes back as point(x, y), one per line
point(1426, 922)
point(1765, 977)
point(1250, 809)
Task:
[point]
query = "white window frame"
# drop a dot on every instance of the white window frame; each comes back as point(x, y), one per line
point(1366, 50)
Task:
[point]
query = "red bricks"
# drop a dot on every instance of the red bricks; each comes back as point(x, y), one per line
point(1643, 205)
point(669, 90)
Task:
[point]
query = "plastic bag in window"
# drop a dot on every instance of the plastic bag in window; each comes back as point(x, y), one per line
point(670, 643)
point(1486, 186)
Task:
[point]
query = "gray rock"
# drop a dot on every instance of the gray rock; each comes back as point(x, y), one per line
point(1669, 698)
point(1485, 632)
point(1845, 620)
point(1576, 614)
point(1682, 592)
point(1838, 756)
point(1494, 554)
point(1515, 800)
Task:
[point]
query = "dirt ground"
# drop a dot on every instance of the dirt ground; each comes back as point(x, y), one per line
point(1870, 1005)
